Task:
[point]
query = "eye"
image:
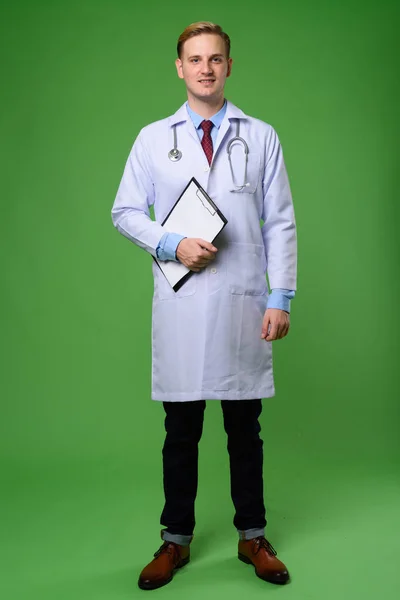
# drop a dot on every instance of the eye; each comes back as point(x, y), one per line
point(217, 59)
point(195, 60)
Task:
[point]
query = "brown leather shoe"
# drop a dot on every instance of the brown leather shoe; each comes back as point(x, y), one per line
point(167, 559)
point(261, 554)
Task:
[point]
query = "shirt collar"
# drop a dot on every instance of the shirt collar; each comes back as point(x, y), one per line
point(215, 119)
point(182, 115)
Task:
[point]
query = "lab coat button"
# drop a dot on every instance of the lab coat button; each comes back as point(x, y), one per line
point(213, 270)
point(206, 169)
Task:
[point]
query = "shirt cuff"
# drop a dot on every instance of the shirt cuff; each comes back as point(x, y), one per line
point(166, 249)
point(280, 298)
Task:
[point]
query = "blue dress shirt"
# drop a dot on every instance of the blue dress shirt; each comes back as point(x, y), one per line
point(166, 249)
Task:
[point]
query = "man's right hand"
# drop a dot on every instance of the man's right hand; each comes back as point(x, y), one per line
point(195, 253)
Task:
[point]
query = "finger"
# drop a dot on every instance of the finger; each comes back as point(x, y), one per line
point(282, 332)
point(201, 263)
point(207, 245)
point(285, 328)
point(279, 330)
point(206, 254)
point(273, 333)
point(265, 326)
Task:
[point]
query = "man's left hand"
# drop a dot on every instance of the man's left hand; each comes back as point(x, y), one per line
point(278, 323)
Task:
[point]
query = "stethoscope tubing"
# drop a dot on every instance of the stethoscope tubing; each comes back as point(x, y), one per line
point(175, 154)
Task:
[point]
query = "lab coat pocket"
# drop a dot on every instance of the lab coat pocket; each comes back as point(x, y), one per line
point(245, 181)
point(163, 289)
point(247, 267)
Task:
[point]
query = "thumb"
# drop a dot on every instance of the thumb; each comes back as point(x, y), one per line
point(207, 245)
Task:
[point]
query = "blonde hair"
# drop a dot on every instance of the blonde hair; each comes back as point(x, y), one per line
point(199, 28)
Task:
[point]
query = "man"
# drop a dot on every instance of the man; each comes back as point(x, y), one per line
point(212, 339)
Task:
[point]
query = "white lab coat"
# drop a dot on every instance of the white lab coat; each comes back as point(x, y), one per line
point(206, 337)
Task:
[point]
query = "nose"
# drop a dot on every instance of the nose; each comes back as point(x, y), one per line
point(206, 68)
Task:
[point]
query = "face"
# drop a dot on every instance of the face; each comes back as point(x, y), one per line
point(204, 66)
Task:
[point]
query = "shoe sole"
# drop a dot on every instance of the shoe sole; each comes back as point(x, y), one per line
point(156, 585)
point(247, 560)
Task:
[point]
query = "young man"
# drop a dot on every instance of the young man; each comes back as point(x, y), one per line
point(213, 337)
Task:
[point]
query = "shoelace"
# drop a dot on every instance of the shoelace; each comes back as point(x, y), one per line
point(261, 542)
point(168, 548)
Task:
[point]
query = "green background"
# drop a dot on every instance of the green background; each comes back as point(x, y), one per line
point(80, 438)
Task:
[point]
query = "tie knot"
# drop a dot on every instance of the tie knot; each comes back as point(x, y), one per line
point(206, 126)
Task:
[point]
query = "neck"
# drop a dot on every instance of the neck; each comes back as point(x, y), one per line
point(206, 109)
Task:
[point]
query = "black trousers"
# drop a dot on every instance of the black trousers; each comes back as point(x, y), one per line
point(184, 427)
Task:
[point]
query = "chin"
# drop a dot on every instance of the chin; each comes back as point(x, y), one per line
point(207, 94)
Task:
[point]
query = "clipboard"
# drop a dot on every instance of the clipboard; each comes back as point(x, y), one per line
point(193, 215)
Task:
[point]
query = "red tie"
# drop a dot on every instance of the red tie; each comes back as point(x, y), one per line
point(206, 142)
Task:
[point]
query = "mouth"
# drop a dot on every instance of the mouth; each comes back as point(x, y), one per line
point(207, 81)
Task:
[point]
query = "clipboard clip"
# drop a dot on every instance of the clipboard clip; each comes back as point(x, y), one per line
point(205, 202)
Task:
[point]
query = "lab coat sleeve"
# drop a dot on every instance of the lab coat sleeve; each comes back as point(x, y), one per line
point(279, 228)
point(130, 213)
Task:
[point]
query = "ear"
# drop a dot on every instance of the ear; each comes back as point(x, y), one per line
point(230, 61)
point(178, 64)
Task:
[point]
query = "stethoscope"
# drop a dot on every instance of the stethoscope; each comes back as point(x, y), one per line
point(175, 154)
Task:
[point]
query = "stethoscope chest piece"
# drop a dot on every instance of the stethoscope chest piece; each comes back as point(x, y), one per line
point(174, 154)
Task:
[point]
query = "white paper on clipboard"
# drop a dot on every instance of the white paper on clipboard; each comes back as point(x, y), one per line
point(194, 215)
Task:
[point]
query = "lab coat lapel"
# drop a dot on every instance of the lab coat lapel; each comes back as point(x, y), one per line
point(232, 112)
point(182, 116)
point(192, 130)
point(223, 130)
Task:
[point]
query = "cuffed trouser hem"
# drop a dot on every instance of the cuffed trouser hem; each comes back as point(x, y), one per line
point(249, 534)
point(176, 538)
